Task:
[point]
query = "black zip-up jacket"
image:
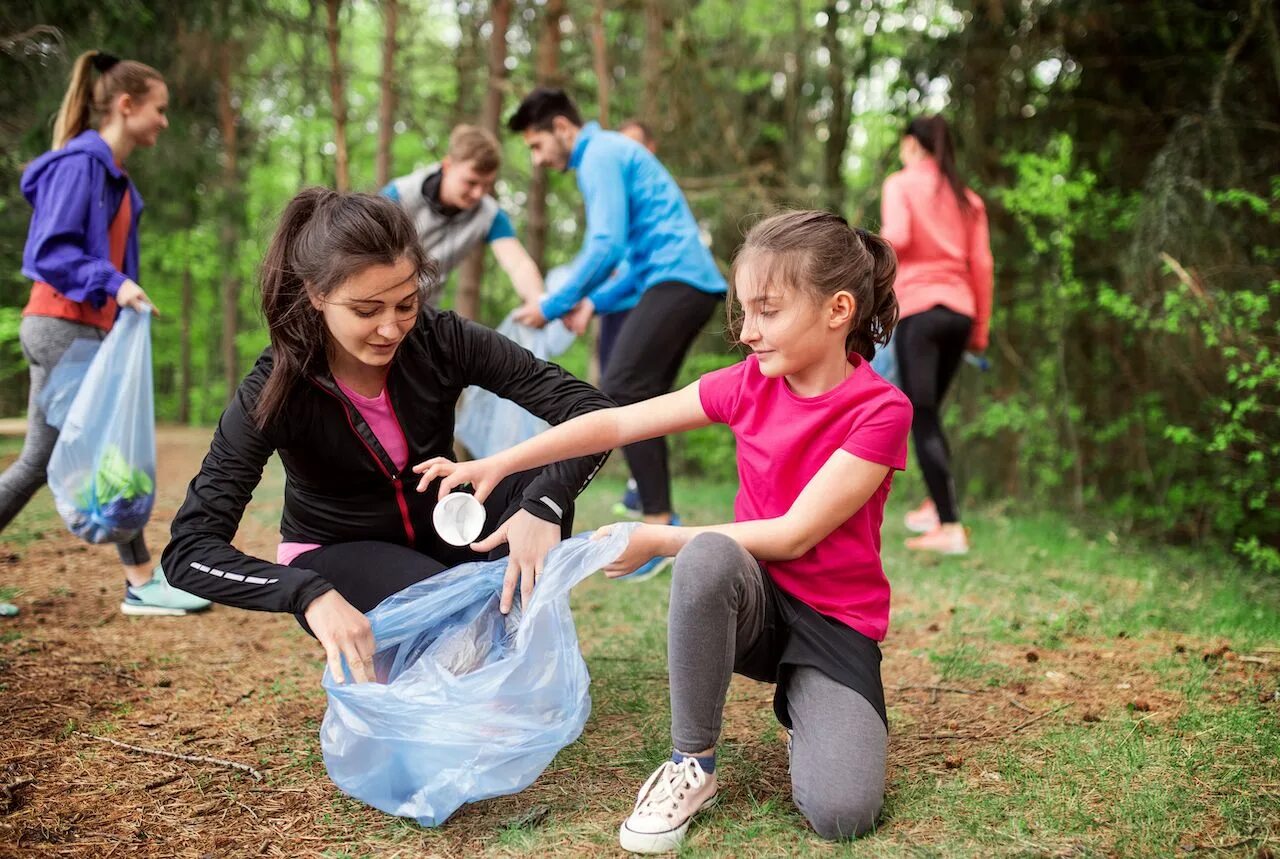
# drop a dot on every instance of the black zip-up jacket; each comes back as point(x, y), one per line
point(340, 485)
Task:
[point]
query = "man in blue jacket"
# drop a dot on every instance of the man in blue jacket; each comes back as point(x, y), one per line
point(635, 214)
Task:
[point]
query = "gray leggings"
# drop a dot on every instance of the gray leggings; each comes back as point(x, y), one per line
point(44, 340)
point(719, 612)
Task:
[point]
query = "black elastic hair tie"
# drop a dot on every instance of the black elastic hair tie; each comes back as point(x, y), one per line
point(104, 62)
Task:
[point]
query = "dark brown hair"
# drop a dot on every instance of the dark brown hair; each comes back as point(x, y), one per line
point(325, 238)
point(933, 133)
point(88, 100)
point(820, 253)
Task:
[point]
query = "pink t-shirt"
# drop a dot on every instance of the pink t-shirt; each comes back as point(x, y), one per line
point(377, 413)
point(783, 439)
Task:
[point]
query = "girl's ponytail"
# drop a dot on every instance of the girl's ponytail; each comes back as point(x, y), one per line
point(875, 325)
point(87, 99)
point(73, 116)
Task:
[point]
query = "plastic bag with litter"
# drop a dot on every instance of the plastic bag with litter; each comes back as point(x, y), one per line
point(469, 704)
point(488, 423)
point(103, 469)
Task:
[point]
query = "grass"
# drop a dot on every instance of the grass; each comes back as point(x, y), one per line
point(1097, 711)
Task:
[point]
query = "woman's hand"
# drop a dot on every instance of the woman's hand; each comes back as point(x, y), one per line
point(130, 295)
point(579, 318)
point(530, 313)
point(647, 542)
point(482, 474)
point(530, 539)
point(344, 632)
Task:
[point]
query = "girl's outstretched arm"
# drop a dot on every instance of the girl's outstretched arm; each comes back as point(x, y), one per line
point(595, 432)
point(838, 491)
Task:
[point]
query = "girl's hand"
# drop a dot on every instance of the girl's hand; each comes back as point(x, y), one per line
point(530, 313)
point(342, 631)
point(130, 295)
point(646, 542)
point(530, 539)
point(482, 474)
point(579, 318)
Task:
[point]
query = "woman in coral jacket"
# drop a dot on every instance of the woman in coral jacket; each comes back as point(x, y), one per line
point(938, 227)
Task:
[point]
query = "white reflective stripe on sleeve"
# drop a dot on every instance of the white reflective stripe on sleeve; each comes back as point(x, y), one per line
point(235, 577)
point(555, 508)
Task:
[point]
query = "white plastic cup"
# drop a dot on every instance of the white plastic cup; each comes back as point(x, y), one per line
point(458, 518)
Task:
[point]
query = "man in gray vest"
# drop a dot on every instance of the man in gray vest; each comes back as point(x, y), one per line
point(451, 207)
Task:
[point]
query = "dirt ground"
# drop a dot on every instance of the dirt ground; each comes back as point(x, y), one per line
point(72, 666)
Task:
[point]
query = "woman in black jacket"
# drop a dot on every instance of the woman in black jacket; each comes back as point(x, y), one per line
point(360, 382)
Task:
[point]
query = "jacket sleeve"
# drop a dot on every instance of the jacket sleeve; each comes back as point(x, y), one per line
point(57, 241)
point(604, 196)
point(981, 276)
point(496, 364)
point(200, 558)
point(895, 214)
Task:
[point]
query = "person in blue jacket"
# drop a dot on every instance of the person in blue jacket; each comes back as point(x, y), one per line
point(82, 258)
point(635, 214)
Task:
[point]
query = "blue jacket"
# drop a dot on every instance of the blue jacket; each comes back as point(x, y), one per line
point(637, 214)
point(75, 192)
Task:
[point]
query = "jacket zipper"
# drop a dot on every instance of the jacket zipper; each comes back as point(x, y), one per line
point(401, 502)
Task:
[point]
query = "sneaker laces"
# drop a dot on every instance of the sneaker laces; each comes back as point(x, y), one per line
point(668, 785)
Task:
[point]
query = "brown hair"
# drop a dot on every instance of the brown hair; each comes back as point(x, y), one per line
point(88, 101)
point(324, 238)
point(472, 144)
point(934, 135)
point(820, 253)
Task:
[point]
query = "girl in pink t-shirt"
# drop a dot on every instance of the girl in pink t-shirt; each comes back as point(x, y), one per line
point(793, 590)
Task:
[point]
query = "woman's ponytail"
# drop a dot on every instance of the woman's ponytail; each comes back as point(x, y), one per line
point(73, 116)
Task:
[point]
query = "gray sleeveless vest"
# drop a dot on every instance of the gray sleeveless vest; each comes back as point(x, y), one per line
point(447, 238)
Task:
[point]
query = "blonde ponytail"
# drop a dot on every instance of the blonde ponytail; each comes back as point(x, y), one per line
point(88, 100)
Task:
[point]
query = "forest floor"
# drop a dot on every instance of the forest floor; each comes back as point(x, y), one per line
point(1060, 691)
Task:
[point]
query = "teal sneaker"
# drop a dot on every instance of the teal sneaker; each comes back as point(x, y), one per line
point(159, 598)
point(653, 566)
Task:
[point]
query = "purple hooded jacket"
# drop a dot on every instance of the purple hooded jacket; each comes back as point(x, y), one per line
point(75, 192)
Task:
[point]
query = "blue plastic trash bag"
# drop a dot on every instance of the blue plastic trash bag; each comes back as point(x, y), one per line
point(64, 382)
point(469, 704)
point(488, 423)
point(103, 468)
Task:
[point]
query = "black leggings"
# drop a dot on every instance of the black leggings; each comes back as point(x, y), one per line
point(643, 363)
point(929, 347)
point(369, 571)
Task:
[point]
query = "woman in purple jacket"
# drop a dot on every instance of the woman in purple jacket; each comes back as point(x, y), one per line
point(82, 257)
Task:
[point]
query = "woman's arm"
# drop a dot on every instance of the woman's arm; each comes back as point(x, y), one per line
point(595, 432)
point(56, 245)
point(895, 213)
point(831, 497)
point(200, 558)
point(981, 276)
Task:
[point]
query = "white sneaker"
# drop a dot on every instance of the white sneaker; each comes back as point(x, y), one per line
point(923, 519)
point(665, 805)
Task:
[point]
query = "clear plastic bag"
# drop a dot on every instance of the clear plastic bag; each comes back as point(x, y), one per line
point(64, 382)
point(103, 469)
point(487, 423)
point(469, 704)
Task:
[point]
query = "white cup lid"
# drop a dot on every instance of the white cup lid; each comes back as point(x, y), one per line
point(458, 518)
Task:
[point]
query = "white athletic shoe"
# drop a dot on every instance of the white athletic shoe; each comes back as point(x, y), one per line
point(665, 805)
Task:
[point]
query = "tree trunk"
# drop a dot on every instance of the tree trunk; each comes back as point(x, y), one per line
point(342, 171)
point(838, 126)
point(600, 59)
point(307, 72)
point(387, 102)
point(548, 74)
point(184, 347)
point(228, 123)
point(651, 61)
point(467, 301)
